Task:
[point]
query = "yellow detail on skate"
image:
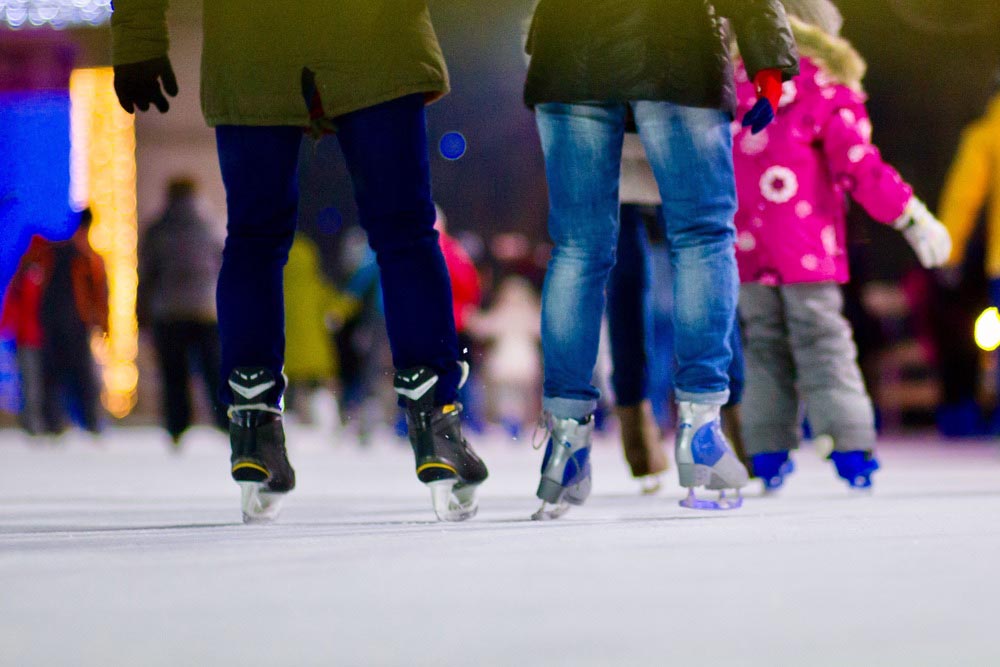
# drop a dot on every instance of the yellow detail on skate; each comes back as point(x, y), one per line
point(443, 466)
point(448, 409)
point(252, 466)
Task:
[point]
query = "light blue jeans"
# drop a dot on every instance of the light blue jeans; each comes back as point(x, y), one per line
point(690, 150)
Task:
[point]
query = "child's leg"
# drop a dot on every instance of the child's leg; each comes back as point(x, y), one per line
point(823, 347)
point(770, 405)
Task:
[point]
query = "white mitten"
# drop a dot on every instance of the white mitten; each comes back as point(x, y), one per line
point(929, 239)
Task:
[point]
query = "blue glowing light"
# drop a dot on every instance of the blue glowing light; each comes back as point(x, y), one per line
point(55, 13)
point(453, 146)
point(34, 173)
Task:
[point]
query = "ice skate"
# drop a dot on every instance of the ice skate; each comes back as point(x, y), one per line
point(445, 462)
point(565, 468)
point(705, 458)
point(772, 468)
point(643, 449)
point(856, 468)
point(259, 461)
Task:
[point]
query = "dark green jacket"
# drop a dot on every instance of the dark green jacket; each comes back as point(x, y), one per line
point(363, 52)
point(670, 50)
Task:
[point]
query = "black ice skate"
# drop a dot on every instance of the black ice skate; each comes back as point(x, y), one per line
point(445, 461)
point(259, 460)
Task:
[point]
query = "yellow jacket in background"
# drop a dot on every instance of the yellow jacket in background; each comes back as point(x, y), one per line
point(310, 302)
point(973, 182)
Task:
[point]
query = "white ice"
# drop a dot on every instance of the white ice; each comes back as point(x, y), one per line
point(120, 552)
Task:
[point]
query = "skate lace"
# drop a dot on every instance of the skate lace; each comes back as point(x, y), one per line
point(544, 422)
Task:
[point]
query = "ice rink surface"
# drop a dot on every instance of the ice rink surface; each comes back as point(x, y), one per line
point(123, 553)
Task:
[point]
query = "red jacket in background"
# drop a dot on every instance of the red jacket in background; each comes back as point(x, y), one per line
point(465, 289)
point(19, 319)
point(22, 304)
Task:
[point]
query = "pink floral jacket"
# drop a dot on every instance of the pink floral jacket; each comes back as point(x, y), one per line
point(794, 177)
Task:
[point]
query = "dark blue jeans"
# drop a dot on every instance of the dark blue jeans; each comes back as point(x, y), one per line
point(385, 147)
point(630, 319)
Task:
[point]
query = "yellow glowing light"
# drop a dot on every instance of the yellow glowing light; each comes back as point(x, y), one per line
point(102, 176)
point(988, 330)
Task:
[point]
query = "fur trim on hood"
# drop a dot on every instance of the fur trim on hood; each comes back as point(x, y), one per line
point(835, 55)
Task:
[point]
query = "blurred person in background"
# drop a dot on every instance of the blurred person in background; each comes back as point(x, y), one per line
point(466, 295)
point(668, 63)
point(314, 310)
point(73, 308)
point(20, 322)
point(364, 72)
point(179, 260)
point(512, 368)
point(361, 342)
point(792, 180)
point(973, 184)
point(630, 323)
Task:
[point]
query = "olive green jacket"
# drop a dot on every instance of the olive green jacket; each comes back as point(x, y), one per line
point(363, 52)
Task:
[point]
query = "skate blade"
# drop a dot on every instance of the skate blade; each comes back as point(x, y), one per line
point(259, 505)
point(723, 503)
point(451, 504)
point(549, 511)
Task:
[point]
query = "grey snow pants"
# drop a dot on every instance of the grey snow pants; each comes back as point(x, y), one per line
point(800, 351)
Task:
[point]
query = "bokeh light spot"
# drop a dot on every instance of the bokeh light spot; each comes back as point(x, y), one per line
point(453, 146)
point(988, 330)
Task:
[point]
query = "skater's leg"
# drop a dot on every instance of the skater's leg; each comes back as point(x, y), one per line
point(583, 146)
point(690, 151)
point(770, 408)
point(386, 151)
point(258, 169)
point(629, 320)
point(205, 339)
point(829, 378)
point(171, 352)
point(630, 327)
point(29, 362)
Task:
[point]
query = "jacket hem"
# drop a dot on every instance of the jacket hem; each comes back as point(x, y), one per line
point(434, 89)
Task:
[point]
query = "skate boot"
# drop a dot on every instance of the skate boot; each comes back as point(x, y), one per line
point(445, 461)
point(641, 442)
point(565, 467)
point(705, 458)
point(259, 460)
point(856, 468)
point(772, 468)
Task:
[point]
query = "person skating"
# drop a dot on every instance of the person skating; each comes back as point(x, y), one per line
point(364, 70)
point(179, 260)
point(973, 184)
point(73, 307)
point(590, 63)
point(792, 181)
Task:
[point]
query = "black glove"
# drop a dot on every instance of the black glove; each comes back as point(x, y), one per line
point(138, 84)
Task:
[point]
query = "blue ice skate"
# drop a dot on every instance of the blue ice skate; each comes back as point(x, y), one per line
point(705, 458)
point(856, 467)
point(565, 467)
point(772, 468)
